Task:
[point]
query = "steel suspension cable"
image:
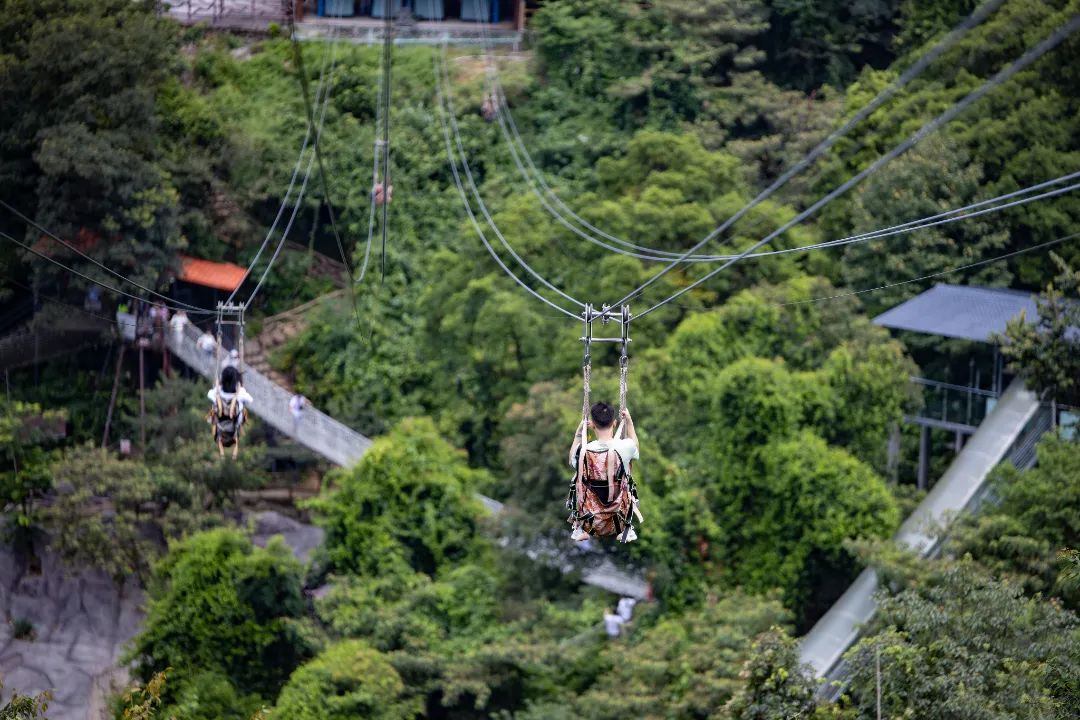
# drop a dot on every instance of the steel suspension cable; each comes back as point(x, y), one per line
point(447, 95)
point(45, 231)
point(298, 57)
point(452, 157)
point(375, 153)
point(1047, 44)
point(289, 189)
point(940, 273)
point(513, 137)
point(193, 309)
point(312, 156)
point(387, 59)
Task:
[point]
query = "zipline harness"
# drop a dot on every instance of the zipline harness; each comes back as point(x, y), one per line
point(610, 515)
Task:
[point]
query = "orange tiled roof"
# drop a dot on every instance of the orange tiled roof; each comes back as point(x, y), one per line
point(218, 275)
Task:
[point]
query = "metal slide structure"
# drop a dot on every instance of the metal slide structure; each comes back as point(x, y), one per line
point(1010, 431)
point(343, 446)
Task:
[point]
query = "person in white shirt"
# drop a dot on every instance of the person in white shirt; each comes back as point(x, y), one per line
point(297, 403)
point(229, 402)
point(207, 344)
point(233, 360)
point(625, 608)
point(612, 623)
point(602, 422)
point(179, 323)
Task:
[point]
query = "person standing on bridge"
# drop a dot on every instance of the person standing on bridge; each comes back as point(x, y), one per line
point(297, 403)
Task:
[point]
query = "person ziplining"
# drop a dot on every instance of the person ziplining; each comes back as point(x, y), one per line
point(603, 497)
point(229, 400)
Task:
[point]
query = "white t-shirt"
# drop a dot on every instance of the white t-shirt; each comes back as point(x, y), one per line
point(612, 624)
point(296, 405)
point(625, 609)
point(242, 396)
point(627, 449)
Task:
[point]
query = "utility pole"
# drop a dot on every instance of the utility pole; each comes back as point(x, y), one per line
point(112, 400)
point(142, 399)
point(877, 667)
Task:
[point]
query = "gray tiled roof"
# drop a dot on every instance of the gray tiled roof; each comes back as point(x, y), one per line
point(959, 311)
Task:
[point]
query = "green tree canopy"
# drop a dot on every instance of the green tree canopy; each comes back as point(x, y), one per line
point(347, 680)
point(408, 505)
point(218, 603)
point(1047, 349)
point(79, 142)
point(958, 643)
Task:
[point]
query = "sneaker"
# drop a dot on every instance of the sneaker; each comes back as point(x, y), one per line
point(578, 535)
point(631, 536)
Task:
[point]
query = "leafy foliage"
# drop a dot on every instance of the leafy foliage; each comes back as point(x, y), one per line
point(960, 644)
point(407, 506)
point(347, 680)
point(1046, 349)
point(219, 604)
point(776, 685)
point(1020, 537)
point(79, 137)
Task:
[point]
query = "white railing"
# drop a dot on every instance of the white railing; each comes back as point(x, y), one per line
point(228, 13)
point(316, 430)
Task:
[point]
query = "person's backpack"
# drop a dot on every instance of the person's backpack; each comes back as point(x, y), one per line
point(602, 494)
point(226, 420)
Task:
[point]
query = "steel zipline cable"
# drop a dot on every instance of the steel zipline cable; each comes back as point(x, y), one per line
point(535, 178)
point(931, 276)
point(168, 302)
point(298, 58)
point(1047, 44)
point(965, 212)
point(319, 89)
point(45, 231)
point(452, 158)
point(445, 98)
point(387, 61)
point(194, 310)
point(303, 187)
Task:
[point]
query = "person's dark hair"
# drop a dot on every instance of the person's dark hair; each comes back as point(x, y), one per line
point(603, 415)
point(230, 378)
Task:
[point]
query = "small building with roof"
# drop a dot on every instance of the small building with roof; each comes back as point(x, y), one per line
point(976, 317)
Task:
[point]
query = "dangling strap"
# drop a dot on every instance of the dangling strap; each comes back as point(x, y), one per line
point(240, 340)
point(217, 350)
point(624, 369)
point(586, 372)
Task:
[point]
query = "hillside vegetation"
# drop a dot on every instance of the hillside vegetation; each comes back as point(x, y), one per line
point(765, 399)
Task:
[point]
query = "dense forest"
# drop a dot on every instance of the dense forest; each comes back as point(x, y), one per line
point(765, 398)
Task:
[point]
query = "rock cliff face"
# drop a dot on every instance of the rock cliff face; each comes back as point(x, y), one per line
point(79, 623)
